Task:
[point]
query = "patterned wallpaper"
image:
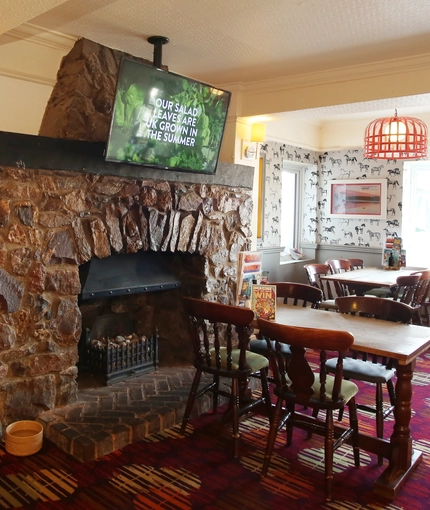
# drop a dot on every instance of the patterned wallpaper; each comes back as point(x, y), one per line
point(321, 168)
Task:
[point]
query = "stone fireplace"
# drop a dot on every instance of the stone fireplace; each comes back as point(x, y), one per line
point(62, 205)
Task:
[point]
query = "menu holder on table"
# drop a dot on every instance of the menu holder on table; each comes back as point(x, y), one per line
point(248, 272)
point(393, 256)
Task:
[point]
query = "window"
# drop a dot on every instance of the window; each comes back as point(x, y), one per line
point(291, 206)
point(415, 207)
point(260, 199)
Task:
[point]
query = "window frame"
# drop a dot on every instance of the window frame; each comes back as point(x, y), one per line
point(261, 197)
point(408, 216)
point(298, 170)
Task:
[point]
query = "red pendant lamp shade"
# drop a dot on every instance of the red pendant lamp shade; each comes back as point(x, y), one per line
point(395, 138)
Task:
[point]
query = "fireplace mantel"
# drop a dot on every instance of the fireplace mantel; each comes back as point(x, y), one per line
point(62, 154)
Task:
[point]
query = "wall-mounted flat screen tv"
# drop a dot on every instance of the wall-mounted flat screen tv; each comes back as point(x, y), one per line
point(166, 121)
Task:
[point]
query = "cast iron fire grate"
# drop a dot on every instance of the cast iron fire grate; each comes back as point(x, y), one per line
point(114, 351)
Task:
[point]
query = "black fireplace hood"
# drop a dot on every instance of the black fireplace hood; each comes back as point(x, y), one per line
point(125, 273)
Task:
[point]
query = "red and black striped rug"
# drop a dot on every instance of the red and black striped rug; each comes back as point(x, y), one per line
point(170, 471)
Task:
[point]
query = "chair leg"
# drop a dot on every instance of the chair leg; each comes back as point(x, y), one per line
point(315, 412)
point(273, 432)
point(329, 453)
point(379, 417)
point(341, 410)
point(391, 392)
point(290, 424)
point(215, 394)
point(353, 423)
point(265, 391)
point(416, 317)
point(235, 416)
point(191, 399)
point(426, 315)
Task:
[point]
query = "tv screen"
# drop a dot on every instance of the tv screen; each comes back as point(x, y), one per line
point(165, 120)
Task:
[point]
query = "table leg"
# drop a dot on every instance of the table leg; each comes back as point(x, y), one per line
point(357, 289)
point(402, 457)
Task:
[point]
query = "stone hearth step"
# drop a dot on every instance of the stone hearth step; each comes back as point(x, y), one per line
point(108, 418)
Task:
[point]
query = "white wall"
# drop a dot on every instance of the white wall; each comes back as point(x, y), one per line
point(299, 133)
point(29, 62)
point(22, 105)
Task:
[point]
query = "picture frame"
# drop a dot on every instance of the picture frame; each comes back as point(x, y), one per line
point(359, 198)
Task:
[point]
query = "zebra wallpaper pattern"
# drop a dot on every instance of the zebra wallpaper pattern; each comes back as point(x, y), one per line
point(320, 168)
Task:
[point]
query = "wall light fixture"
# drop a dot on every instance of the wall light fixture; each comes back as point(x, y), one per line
point(258, 134)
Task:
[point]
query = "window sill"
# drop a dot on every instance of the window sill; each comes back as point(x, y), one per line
point(292, 261)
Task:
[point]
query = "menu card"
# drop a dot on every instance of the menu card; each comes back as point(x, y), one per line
point(393, 255)
point(248, 272)
point(263, 301)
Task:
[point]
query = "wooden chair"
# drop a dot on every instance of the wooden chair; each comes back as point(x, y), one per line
point(296, 294)
point(297, 384)
point(421, 298)
point(339, 265)
point(329, 290)
point(406, 287)
point(361, 367)
point(214, 329)
point(356, 264)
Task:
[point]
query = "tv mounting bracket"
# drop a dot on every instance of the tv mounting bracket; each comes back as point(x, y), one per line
point(158, 41)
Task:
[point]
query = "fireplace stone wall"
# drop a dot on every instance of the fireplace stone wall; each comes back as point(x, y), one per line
point(53, 221)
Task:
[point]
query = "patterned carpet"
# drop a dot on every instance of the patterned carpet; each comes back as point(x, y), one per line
point(169, 471)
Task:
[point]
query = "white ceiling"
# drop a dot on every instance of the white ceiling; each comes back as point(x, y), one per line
point(224, 41)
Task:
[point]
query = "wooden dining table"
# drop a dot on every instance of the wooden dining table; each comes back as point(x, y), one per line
point(360, 281)
point(402, 342)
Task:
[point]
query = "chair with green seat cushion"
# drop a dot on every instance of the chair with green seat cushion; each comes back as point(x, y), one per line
point(296, 384)
point(404, 291)
point(220, 340)
point(362, 367)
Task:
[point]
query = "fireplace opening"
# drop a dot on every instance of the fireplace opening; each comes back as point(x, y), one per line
point(116, 346)
point(139, 296)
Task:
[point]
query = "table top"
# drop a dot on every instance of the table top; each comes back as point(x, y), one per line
point(371, 276)
point(403, 342)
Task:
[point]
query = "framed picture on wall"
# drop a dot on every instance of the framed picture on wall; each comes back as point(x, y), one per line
point(362, 198)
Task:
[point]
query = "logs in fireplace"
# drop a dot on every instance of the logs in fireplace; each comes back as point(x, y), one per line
point(113, 350)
